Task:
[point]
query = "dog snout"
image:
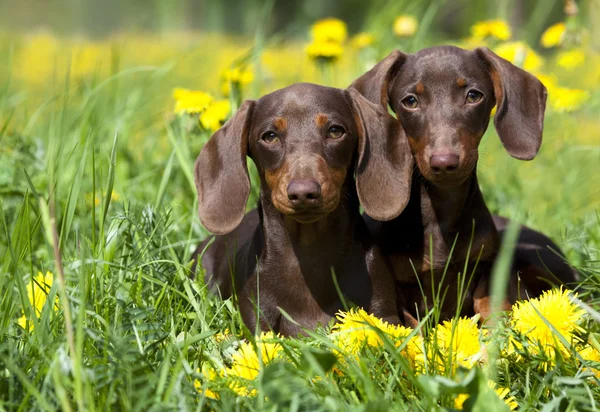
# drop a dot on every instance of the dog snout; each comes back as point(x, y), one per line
point(444, 163)
point(304, 192)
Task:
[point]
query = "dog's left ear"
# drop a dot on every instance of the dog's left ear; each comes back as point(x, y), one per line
point(520, 105)
point(385, 162)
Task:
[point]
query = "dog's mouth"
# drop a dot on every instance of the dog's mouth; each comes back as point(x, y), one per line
point(448, 181)
point(306, 217)
point(306, 214)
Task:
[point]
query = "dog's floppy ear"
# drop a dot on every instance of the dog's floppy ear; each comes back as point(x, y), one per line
point(520, 105)
point(221, 174)
point(375, 83)
point(385, 162)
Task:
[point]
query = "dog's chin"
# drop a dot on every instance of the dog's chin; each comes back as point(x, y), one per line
point(448, 181)
point(306, 218)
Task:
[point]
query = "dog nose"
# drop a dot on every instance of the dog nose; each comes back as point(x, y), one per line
point(444, 163)
point(304, 192)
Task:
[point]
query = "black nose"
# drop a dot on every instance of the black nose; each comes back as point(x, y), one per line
point(443, 163)
point(304, 192)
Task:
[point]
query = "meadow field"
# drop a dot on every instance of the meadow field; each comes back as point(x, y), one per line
point(98, 311)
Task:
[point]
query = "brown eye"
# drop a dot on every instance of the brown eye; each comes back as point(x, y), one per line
point(410, 102)
point(473, 96)
point(335, 132)
point(269, 137)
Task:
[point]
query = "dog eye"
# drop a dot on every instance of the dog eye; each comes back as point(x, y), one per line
point(473, 96)
point(410, 102)
point(335, 132)
point(269, 137)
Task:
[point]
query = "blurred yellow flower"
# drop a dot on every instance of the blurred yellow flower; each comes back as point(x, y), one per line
point(329, 30)
point(209, 374)
point(498, 29)
point(548, 80)
point(405, 26)
point(247, 363)
point(520, 54)
point(458, 338)
point(328, 51)
point(89, 198)
point(37, 293)
point(215, 115)
point(501, 392)
point(563, 99)
point(87, 59)
point(190, 101)
point(37, 60)
point(362, 40)
point(558, 309)
point(236, 77)
point(591, 354)
point(570, 59)
point(553, 35)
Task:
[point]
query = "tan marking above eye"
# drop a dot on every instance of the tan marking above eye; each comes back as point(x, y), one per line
point(321, 119)
point(461, 82)
point(420, 88)
point(280, 123)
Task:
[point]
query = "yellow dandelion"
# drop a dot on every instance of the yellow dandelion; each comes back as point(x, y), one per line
point(413, 351)
point(405, 26)
point(355, 330)
point(215, 115)
point(327, 51)
point(247, 363)
point(236, 77)
point(558, 309)
point(329, 30)
point(460, 340)
point(563, 99)
point(37, 294)
point(591, 354)
point(570, 59)
point(553, 36)
point(502, 393)
point(497, 29)
point(190, 101)
point(209, 374)
point(520, 54)
point(223, 336)
point(362, 40)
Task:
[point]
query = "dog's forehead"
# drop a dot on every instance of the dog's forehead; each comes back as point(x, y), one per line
point(302, 101)
point(443, 64)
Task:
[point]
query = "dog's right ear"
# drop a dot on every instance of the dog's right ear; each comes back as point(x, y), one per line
point(374, 84)
point(221, 174)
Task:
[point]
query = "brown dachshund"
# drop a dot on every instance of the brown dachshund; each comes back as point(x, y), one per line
point(443, 97)
point(308, 143)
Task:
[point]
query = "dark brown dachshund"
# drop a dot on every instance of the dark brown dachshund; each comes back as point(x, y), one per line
point(443, 97)
point(305, 141)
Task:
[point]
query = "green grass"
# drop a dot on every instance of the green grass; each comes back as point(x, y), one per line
point(132, 327)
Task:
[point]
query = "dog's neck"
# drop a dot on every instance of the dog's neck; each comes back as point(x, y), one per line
point(313, 249)
point(447, 207)
point(457, 214)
